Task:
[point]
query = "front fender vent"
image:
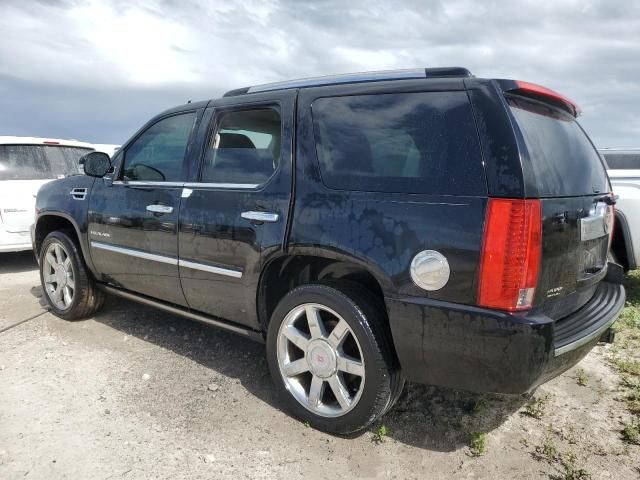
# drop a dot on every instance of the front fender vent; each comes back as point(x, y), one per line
point(79, 193)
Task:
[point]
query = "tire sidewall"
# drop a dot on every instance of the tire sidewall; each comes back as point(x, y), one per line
point(377, 378)
point(69, 247)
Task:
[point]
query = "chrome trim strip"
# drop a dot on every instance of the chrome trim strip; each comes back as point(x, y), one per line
point(247, 332)
point(586, 339)
point(260, 216)
point(170, 260)
point(242, 186)
point(210, 268)
point(140, 183)
point(135, 253)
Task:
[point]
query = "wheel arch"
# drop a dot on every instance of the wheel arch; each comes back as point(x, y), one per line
point(48, 222)
point(622, 244)
point(307, 265)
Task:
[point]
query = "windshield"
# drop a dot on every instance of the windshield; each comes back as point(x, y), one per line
point(39, 162)
point(563, 162)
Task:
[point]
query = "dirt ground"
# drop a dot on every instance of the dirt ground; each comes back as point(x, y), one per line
point(135, 393)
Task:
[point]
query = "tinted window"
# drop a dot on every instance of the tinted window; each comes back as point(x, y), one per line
point(158, 154)
point(623, 161)
point(563, 161)
point(39, 162)
point(245, 147)
point(414, 142)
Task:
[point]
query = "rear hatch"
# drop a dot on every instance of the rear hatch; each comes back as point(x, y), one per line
point(570, 179)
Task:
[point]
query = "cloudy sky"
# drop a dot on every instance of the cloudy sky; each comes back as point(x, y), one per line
point(96, 70)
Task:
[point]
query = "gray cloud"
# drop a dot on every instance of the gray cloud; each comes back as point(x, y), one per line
point(97, 69)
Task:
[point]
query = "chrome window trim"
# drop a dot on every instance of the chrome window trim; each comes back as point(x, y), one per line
point(169, 260)
point(210, 268)
point(237, 186)
point(135, 253)
point(142, 183)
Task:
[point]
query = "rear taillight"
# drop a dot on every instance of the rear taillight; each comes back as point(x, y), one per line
point(510, 254)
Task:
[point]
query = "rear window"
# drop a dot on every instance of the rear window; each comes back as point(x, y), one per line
point(622, 161)
point(563, 162)
point(412, 142)
point(39, 162)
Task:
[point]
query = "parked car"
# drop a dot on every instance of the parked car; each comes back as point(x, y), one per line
point(107, 148)
point(26, 163)
point(418, 224)
point(623, 167)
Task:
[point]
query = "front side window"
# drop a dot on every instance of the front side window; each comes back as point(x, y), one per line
point(39, 162)
point(407, 142)
point(245, 147)
point(158, 154)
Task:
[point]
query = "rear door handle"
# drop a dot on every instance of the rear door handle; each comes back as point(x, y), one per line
point(155, 208)
point(260, 216)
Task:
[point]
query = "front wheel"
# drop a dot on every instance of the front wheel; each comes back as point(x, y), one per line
point(331, 357)
point(69, 289)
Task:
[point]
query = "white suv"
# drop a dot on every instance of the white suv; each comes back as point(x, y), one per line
point(26, 163)
point(623, 167)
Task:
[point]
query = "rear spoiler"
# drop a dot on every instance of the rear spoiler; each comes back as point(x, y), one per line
point(538, 92)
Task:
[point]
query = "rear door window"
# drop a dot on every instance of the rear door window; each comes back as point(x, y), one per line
point(39, 162)
point(408, 142)
point(562, 160)
point(244, 148)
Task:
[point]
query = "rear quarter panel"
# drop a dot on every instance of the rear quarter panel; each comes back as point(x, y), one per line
point(383, 231)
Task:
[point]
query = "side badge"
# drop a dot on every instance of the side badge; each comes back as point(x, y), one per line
point(430, 270)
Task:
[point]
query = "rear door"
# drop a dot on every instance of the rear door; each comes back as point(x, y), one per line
point(564, 169)
point(133, 220)
point(234, 211)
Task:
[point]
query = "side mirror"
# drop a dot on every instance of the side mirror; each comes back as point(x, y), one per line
point(96, 164)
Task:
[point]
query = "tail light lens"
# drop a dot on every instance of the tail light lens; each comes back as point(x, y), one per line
point(510, 254)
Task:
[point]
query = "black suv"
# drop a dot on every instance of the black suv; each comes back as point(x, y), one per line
point(418, 224)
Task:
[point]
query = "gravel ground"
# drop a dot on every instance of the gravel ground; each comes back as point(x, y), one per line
point(135, 393)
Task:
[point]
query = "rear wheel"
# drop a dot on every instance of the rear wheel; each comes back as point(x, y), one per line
point(69, 289)
point(330, 355)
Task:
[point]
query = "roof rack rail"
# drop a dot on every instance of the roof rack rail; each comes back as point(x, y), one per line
point(377, 76)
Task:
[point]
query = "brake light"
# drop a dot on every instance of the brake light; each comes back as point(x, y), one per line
point(51, 142)
point(547, 92)
point(510, 254)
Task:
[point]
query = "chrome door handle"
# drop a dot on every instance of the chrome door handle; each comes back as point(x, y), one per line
point(260, 216)
point(159, 208)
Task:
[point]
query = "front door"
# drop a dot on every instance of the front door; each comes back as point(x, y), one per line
point(234, 212)
point(133, 220)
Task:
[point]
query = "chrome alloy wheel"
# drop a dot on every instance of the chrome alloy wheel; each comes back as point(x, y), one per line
point(57, 273)
point(320, 360)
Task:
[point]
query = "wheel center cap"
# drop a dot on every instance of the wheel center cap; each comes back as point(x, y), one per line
point(61, 277)
point(321, 358)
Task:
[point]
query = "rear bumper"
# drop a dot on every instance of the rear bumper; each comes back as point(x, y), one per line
point(470, 348)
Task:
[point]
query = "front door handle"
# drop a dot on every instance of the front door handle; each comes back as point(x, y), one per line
point(260, 216)
point(155, 208)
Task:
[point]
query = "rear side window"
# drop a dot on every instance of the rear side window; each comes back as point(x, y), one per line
point(563, 162)
point(410, 142)
point(39, 162)
point(623, 161)
point(245, 148)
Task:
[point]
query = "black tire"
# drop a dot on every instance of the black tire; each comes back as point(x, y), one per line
point(87, 297)
point(367, 319)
